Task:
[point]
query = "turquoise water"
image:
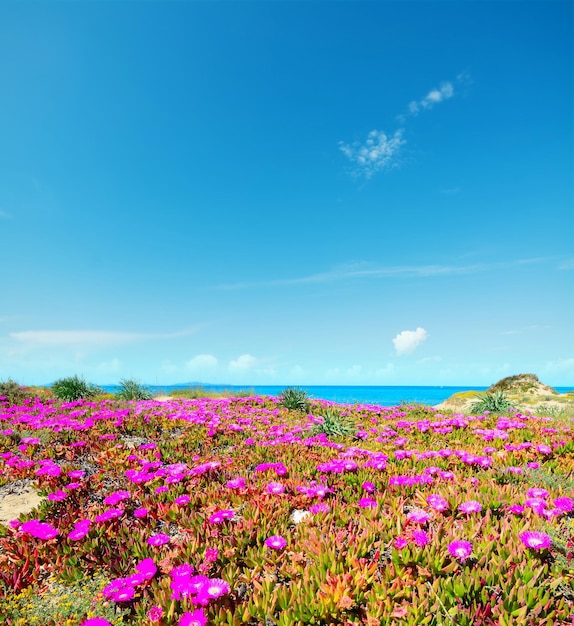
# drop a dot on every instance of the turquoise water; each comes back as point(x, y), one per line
point(383, 396)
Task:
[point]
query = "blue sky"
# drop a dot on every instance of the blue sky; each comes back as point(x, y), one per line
point(287, 192)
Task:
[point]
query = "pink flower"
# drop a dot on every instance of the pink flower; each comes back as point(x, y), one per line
point(38, 529)
point(276, 542)
point(535, 540)
point(155, 614)
point(147, 568)
point(367, 503)
point(275, 488)
point(418, 516)
point(116, 498)
point(159, 539)
point(460, 549)
point(536, 504)
point(421, 538)
point(320, 507)
point(124, 594)
point(437, 502)
point(108, 515)
point(141, 512)
point(216, 587)
point(564, 503)
point(537, 492)
point(219, 516)
point(471, 506)
point(368, 487)
point(516, 509)
point(182, 500)
point(197, 618)
point(400, 543)
point(95, 621)
point(236, 483)
point(57, 496)
point(182, 571)
point(79, 531)
point(211, 555)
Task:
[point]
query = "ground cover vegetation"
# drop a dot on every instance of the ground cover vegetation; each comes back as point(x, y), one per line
point(248, 511)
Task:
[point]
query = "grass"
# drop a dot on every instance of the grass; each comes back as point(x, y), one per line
point(340, 492)
point(194, 393)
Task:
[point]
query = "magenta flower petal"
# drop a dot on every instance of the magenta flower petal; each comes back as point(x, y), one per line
point(421, 538)
point(147, 568)
point(460, 549)
point(564, 503)
point(535, 540)
point(217, 587)
point(276, 542)
point(95, 621)
point(38, 529)
point(437, 502)
point(367, 503)
point(158, 539)
point(472, 506)
point(155, 614)
point(197, 618)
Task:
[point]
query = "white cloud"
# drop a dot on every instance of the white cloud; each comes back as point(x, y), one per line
point(407, 341)
point(429, 359)
point(110, 367)
point(45, 338)
point(434, 96)
point(71, 337)
point(561, 366)
point(568, 264)
point(201, 362)
point(353, 271)
point(378, 152)
point(244, 362)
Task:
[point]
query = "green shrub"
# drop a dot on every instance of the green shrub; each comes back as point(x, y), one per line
point(295, 399)
point(496, 402)
point(133, 390)
point(335, 424)
point(61, 603)
point(519, 382)
point(13, 393)
point(73, 388)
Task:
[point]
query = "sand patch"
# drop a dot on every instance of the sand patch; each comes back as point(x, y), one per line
point(17, 499)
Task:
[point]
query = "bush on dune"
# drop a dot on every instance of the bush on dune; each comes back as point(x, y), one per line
point(74, 388)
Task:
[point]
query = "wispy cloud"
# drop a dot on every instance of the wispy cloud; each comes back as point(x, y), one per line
point(378, 152)
point(525, 329)
point(408, 341)
point(201, 362)
point(433, 97)
point(4, 215)
point(568, 264)
point(244, 362)
point(85, 338)
point(353, 272)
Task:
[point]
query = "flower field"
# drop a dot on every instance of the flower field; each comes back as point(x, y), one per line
point(241, 511)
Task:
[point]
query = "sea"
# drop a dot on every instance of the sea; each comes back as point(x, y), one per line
point(381, 396)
